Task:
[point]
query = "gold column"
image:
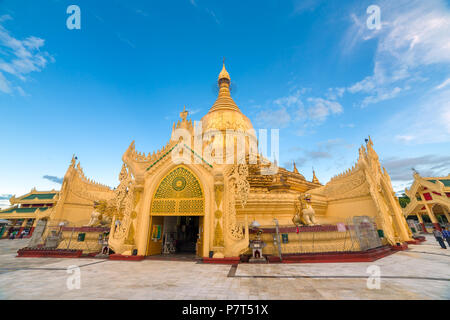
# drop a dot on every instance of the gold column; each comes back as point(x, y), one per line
point(419, 216)
point(447, 215)
point(431, 214)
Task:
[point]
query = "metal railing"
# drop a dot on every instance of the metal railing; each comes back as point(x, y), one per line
point(356, 234)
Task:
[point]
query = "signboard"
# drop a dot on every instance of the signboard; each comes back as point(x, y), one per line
point(156, 232)
point(284, 238)
point(81, 237)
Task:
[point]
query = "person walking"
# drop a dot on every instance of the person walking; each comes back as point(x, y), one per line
point(439, 237)
point(446, 234)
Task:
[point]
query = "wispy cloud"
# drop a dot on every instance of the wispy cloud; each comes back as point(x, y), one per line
point(141, 12)
point(4, 201)
point(324, 150)
point(400, 169)
point(210, 12)
point(321, 108)
point(125, 40)
point(414, 35)
point(20, 58)
point(53, 179)
point(444, 84)
point(5, 196)
point(309, 111)
point(428, 123)
point(213, 15)
point(278, 118)
point(301, 6)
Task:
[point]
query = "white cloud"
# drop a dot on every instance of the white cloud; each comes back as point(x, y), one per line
point(335, 93)
point(414, 34)
point(400, 169)
point(405, 138)
point(278, 118)
point(4, 84)
point(284, 110)
point(443, 84)
point(428, 122)
point(321, 109)
point(301, 6)
point(20, 58)
point(4, 201)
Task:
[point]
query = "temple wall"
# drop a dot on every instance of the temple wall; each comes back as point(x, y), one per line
point(77, 196)
point(77, 214)
point(341, 210)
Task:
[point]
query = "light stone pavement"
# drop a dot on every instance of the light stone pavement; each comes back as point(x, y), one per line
point(422, 272)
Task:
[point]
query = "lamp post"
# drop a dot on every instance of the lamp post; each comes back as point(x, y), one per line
point(277, 240)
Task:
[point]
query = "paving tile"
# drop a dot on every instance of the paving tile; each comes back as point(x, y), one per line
point(419, 273)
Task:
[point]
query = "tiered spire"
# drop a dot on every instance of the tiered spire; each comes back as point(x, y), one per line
point(184, 114)
point(314, 179)
point(295, 169)
point(224, 100)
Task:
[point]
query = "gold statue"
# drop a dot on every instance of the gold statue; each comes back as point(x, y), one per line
point(304, 212)
point(102, 214)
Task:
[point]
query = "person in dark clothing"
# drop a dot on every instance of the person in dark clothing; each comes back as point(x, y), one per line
point(439, 237)
point(446, 235)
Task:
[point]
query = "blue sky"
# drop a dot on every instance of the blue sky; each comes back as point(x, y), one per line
point(311, 68)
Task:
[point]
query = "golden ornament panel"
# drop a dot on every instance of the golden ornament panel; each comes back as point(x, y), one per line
point(179, 193)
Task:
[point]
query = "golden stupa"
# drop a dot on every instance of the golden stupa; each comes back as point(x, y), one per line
point(157, 196)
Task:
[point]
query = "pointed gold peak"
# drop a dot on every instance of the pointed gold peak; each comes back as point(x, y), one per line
point(184, 114)
point(224, 73)
point(314, 179)
point(224, 100)
point(295, 168)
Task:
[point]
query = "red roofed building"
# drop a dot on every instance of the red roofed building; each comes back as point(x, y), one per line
point(430, 196)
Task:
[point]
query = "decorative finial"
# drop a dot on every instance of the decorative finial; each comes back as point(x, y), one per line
point(72, 162)
point(184, 114)
point(314, 179)
point(224, 73)
point(295, 168)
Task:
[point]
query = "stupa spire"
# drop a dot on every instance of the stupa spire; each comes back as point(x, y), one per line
point(295, 168)
point(314, 179)
point(224, 73)
point(224, 100)
point(184, 114)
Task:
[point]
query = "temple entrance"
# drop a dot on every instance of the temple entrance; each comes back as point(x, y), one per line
point(176, 236)
point(176, 215)
point(180, 235)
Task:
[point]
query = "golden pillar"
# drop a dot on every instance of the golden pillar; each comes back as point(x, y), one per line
point(419, 216)
point(447, 215)
point(433, 218)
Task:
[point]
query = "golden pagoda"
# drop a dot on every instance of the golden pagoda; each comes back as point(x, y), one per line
point(184, 197)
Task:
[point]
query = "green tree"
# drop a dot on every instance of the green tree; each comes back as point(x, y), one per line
point(404, 200)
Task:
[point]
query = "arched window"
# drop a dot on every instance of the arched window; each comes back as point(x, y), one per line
point(178, 193)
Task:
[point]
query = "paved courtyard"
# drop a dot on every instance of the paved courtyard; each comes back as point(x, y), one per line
point(422, 272)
